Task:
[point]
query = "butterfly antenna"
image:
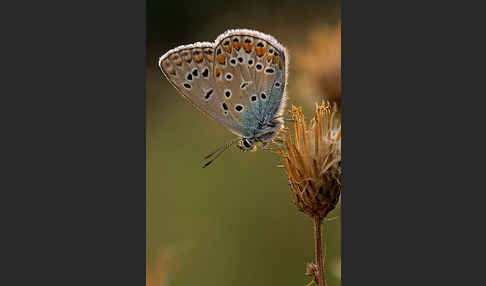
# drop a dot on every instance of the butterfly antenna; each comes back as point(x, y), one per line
point(218, 152)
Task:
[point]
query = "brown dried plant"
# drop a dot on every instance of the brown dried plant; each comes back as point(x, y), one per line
point(312, 159)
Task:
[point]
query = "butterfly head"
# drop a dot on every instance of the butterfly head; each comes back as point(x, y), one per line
point(247, 144)
point(250, 144)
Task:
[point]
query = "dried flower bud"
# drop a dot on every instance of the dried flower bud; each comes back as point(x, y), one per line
point(312, 160)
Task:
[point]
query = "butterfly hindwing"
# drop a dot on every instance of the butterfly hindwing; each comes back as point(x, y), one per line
point(252, 66)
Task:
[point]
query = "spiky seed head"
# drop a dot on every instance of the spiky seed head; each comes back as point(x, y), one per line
point(312, 159)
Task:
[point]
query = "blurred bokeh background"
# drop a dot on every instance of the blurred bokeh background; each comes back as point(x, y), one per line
point(232, 223)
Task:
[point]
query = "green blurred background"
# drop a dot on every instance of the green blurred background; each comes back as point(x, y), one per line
point(232, 223)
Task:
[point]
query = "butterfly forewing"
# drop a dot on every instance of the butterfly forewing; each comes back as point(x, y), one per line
point(189, 69)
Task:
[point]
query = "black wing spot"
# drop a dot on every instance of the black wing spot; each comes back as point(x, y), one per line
point(277, 84)
point(248, 41)
point(226, 43)
point(189, 76)
point(218, 52)
point(244, 85)
point(225, 107)
point(227, 93)
point(239, 107)
point(259, 66)
point(250, 62)
point(269, 70)
point(208, 94)
point(263, 96)
point(205, 73)
point(240, 59)
point(260, 45)
point(195, 72)
point(228, 76)
point(253, 98)
point(236, 40)
point(233, 62)
point(188, 86)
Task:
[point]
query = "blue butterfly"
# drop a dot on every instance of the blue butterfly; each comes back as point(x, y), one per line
point(239, 81)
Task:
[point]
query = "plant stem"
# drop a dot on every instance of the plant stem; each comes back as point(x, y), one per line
point(318, 250)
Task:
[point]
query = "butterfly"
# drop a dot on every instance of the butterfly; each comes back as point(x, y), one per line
point(239, 80)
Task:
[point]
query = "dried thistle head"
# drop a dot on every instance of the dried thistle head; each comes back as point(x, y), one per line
point(312, 160)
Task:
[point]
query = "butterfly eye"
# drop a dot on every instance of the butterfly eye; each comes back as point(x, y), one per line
point(246, 142)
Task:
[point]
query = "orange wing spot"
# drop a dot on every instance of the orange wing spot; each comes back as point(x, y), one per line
point(217, 72)
point(221, 59)
point(169, 68)
point(275, 59)
point(186, 56)
point(260, 51)
point(269, 58)
point(198, 58)
point(209, 55)
point(177, 60)
point(228, 48)
point(248, 47)
point(237, 45)
point(198, 55)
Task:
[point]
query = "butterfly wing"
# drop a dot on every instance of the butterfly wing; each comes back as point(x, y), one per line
point(250, 73)
point(189, 69)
